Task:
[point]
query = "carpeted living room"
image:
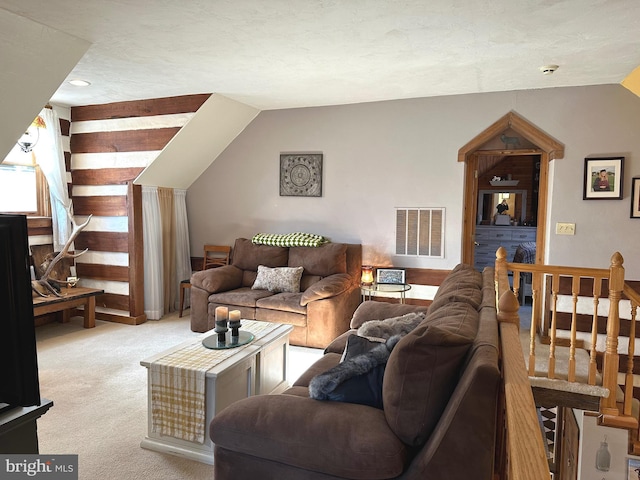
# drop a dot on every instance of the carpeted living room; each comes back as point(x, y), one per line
point(372, 171)
point(99, 391)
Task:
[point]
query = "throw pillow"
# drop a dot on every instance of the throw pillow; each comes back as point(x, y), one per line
point(357, 345)
point(420, 377)
point(278, 279)
point(356, 380)
point(383, 329)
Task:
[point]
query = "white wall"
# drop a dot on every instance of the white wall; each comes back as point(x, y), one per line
point(591, 435)
point(403, 153)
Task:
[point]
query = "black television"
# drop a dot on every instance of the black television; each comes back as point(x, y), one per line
point(19, 384)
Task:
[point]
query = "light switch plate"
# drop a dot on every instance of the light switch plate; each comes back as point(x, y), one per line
point(565, 228)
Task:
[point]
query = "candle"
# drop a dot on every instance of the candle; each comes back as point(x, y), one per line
point(222, 313)
point(234, 316)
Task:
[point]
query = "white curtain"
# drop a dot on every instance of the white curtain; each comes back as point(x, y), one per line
point(153, 268)
point(50, 156)
point(183, 252)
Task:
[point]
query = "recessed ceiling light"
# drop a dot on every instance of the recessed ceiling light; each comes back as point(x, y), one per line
point(548, 69)
point(80, 83)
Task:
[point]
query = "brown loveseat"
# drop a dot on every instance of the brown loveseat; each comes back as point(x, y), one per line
point(440, 390)
point(320, 311)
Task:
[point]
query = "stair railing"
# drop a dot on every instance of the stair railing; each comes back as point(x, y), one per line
point(522, 454)
point(611, 413)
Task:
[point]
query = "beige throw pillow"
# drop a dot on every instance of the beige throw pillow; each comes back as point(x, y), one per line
point(278, 279)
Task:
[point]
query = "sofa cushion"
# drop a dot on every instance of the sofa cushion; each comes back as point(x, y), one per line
point(284, 302)
point(318, 437)
point(461, 278)
point(420, 376)
point(247, 256)
point(325, 260)
point(278, 279)
point(242, 297)
point(327, 287)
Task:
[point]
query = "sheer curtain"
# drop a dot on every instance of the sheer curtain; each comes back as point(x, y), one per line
point(153, 264)
point(166, 248)
point(165, 198)
point(50, 156)
point(183, 251)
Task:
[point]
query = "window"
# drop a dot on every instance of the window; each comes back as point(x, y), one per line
point(420, 231)
point(18, 187)
point(23, 188)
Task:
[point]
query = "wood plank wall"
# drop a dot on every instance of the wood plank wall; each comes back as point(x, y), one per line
point(109, 146)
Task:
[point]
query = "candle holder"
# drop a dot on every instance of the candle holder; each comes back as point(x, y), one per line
point(234, 323)
point(221, 329)
point(222, 314)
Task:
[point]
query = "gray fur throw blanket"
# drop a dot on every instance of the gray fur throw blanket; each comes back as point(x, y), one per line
point(357, 380)
point(383, 329)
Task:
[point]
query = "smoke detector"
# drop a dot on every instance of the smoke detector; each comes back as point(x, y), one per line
point(548, 69)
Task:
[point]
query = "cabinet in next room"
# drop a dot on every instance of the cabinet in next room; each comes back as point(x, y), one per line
point(490, 237)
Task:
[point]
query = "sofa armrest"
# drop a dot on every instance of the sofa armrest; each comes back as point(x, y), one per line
point(219, 279)
point(373, 310)
point(335, 438)
point(327, 287)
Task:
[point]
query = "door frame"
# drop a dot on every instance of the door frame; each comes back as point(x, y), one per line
point(546, 146)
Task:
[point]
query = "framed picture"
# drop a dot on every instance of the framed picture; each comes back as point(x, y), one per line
point(390, 275)
point(603, 178)
point(301, 175)
point(635, 197)
point(633, 469)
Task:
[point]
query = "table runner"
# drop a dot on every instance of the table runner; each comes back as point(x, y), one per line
point(178, 403)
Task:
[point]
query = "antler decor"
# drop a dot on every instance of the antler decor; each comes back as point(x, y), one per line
point(42, 286)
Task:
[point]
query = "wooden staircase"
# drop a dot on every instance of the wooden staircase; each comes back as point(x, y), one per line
point(571, 366)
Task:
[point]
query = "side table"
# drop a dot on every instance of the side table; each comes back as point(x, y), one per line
point(369, 291)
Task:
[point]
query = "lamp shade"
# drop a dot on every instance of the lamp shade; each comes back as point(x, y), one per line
point(367, 275)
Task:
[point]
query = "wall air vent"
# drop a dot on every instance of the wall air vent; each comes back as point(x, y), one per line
point(420, 232)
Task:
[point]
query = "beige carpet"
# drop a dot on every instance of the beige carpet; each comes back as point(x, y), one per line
point(99, 390)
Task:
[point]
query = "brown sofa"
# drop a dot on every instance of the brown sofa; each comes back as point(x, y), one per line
point(320, 311)
point(440, 391)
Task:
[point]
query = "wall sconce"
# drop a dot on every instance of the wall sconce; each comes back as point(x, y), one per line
point(367, 275)
point(29, 139)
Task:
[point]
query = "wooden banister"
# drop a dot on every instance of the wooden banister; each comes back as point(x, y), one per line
point(524, 445)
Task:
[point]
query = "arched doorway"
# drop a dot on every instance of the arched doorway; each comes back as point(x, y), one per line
point(540, 144)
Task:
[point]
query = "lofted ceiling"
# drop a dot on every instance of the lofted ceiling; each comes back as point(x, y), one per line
point(296, 53)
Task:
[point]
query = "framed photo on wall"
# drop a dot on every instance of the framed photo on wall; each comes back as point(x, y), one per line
point(635, 197)
point(603, 178)
point(633, 469)
point(391, 275)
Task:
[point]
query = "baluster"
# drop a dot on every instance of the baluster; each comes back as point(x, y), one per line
point(516, 283)
point(628, 382)
point(593, 368)
point(552, 334)
point(611, 359)
point(535, 321)
point(575, 291)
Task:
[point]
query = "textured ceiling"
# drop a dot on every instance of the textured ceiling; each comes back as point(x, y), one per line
point(280, 54)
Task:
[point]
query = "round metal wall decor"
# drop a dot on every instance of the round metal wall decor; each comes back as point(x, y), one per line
point(301, 174)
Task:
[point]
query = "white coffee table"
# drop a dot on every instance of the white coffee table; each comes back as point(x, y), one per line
point(259, 367)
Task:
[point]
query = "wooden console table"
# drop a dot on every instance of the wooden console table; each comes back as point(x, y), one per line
point(71, 298)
